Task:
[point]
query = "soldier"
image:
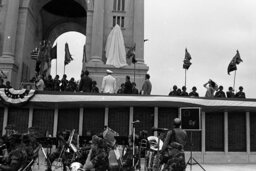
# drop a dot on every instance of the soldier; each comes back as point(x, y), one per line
point(240, 94)
point(172, 153)
point(220, 93)
point(184, 91)
point(174, 91)
point(193, 93)
point(230, 93)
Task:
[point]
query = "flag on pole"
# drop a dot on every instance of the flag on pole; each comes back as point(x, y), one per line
point(84, 54)
point(235, 61)
point(186, 61)
point(53, 53)
point(68, 57)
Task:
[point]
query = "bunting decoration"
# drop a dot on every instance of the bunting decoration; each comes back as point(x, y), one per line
point(68, 57)
point(15, 97)
point(186, 61)
point(235, 61)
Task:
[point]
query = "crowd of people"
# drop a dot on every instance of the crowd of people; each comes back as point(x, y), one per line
point(212, 91)
point(98, 151)
point(86, 84)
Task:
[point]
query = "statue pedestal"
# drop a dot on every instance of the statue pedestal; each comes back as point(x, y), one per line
point(98, 71)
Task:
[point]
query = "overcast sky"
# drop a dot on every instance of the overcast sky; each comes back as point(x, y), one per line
point(211, 30)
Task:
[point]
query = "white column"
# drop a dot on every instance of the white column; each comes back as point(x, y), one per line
point(248, 138)
point(10, 29)
point(30, 117)
point(139, 29)
point(97, 31)
point(5, 120)
point(55, 122)
point(106, 116)
point(81, 120)
point(226, 132)
point(203, 132)
point(130, 120)
point(155, 119)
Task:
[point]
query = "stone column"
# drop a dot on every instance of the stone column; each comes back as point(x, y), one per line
point(138, 28)
point(10, 29)
point(97, 31)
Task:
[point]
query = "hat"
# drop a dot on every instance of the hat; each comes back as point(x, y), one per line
point(177, 121)
point(109, 71)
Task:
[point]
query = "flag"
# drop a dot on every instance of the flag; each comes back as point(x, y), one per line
point(68, 57)
point(235, 61)
point(186, 61)
point(84, 54)
point(131, 55)
point(34, 54)
point(3, 75)
point(53, 52)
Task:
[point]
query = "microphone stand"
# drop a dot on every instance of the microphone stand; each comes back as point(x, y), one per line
point(133, 144)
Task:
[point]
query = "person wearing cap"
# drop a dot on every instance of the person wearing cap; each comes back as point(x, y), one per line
point(172, 153)
point(240, 94)
point(230, 93)
point(220, 93)
point(193, 93)
point(108, 83)
point(184, 91)
point(174, 92)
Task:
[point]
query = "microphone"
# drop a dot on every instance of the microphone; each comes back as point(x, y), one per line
point(160, 129)
point(137, 121)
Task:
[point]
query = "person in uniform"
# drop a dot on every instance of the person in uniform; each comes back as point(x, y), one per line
point(230, 93)
point(174, 91)
point(240, 94)
point(184, 91)
point(108, 83)
point(172, 153)
point(193, 93)
point(220, 93)
point(211, 87)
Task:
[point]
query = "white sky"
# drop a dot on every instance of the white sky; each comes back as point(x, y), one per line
point(211, 30)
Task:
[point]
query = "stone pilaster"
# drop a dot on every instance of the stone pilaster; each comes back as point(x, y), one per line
point(97, 32)
point(10, 30)
point(7, 60)
point(139, 30)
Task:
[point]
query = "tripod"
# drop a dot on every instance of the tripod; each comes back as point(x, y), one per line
point(191, 158)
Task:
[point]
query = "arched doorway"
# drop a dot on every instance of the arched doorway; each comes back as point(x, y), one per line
point(76, 42)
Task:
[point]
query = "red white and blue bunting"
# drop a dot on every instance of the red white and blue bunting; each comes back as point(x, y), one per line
point(15, 97)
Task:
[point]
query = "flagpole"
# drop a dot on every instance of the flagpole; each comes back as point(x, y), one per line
point(234, 80)
point(185, 77)
point(134, 71)
point(56, 58)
